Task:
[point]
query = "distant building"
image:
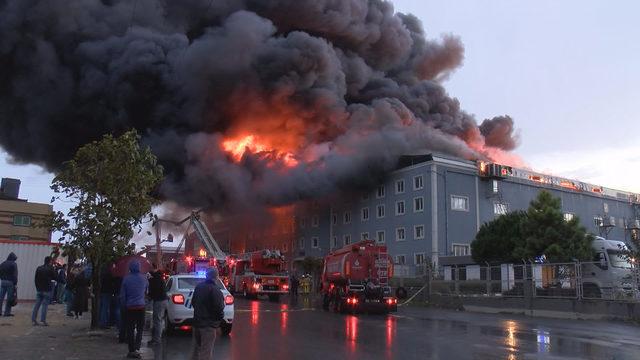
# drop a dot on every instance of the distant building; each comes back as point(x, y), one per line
point(431, 207)
point(18, 217)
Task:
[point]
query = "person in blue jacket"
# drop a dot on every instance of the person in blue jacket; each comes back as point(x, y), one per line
point(132, 296)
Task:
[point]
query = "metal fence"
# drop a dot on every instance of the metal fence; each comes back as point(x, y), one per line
point(580, 280)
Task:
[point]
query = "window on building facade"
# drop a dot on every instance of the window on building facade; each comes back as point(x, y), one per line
point(22, 220)
point(568, 217)
point(500, 208)
point(285, 247)
point(418, 204)
point(347, 217)
point(315, 221)
point(461, 250)
point(347, 239)
point(635, 234)
point(418, 182)
point(380, 192)
point(334, 242)
point(399, 207)
point(303, 222)
point(400, 234)
point(364, 236)
point(459, 203)
point(334, 219)
point(418, 232)
point(597, 220)
point(315, 242)
point(612, 221)
point(418, 258)
point(301, 243)
point(399, 186)
point(380, 211)
point(19, 237)
point(400, 260)
point(365, 214)
point(365, 196)
point(380, 236)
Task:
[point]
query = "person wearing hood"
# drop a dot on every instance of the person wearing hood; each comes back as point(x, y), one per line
point(208, 313)
point(158, 295)
point(132, 296)
point(8, 282)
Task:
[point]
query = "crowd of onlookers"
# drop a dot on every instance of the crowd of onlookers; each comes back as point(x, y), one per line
point(122, 301)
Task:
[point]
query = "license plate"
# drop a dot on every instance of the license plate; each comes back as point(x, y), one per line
point(270, 282)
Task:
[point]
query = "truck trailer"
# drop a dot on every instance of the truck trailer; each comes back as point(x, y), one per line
point(355, 278)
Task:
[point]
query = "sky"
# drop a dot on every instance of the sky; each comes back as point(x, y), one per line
point(566, 71)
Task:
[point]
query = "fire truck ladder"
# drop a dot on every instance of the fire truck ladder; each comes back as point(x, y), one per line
point(383, 267)
point(206, 238)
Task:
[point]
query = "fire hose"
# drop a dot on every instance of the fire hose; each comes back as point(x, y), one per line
point(413, 296)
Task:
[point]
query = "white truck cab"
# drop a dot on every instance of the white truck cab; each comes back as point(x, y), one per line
point(611, 274)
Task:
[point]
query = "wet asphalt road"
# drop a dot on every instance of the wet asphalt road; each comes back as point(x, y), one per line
point(270, 331)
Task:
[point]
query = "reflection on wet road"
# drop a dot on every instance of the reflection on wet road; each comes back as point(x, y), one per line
point(267, 330)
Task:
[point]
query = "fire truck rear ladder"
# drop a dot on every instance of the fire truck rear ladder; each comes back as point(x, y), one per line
point(383, 268)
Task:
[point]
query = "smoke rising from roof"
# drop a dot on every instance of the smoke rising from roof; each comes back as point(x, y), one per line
point(345, 86)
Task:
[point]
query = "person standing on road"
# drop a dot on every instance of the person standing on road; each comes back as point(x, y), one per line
point(61, 279)
point(106, 293)
point(134, 287)
point(43, 278)
point(8, 282)
point(158, 295)
point(81, 293)
point(208, 312)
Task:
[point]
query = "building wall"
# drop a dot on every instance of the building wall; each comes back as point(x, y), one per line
point(453, 227)
point(9, 209)
point(30, 255)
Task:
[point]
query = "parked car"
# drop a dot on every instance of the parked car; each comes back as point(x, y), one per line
point(180, 309)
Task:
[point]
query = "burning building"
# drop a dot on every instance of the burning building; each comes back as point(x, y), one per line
point(432, 206)
point(246, 103)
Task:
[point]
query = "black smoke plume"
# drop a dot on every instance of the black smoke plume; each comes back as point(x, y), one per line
point(348, 85)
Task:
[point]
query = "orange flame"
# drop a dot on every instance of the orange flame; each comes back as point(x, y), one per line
point(239, 146)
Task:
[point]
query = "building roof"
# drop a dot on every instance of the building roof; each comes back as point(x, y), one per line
point(506, 172)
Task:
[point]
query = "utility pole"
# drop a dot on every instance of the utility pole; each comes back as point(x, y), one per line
point(158, 248)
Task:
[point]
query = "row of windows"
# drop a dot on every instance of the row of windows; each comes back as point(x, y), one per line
point(502, 209)
point(315, 243)
point(315, 221)
point(419, 258)
point(380, 236)
point(418, 206)
point(418, 184)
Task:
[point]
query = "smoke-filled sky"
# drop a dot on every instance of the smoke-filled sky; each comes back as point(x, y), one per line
point(342, 92)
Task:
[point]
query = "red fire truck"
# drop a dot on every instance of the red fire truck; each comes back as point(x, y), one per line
point(355, 278)
point(258, 273)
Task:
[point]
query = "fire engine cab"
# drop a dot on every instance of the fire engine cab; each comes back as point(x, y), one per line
point(259, 273)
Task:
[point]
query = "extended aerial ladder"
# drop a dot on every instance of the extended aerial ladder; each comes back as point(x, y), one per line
point(203, 234)
point(201, 231)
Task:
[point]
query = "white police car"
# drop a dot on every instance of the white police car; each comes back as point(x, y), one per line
point(180, 310)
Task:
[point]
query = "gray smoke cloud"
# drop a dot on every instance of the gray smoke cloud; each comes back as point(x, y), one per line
point(344, 86)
